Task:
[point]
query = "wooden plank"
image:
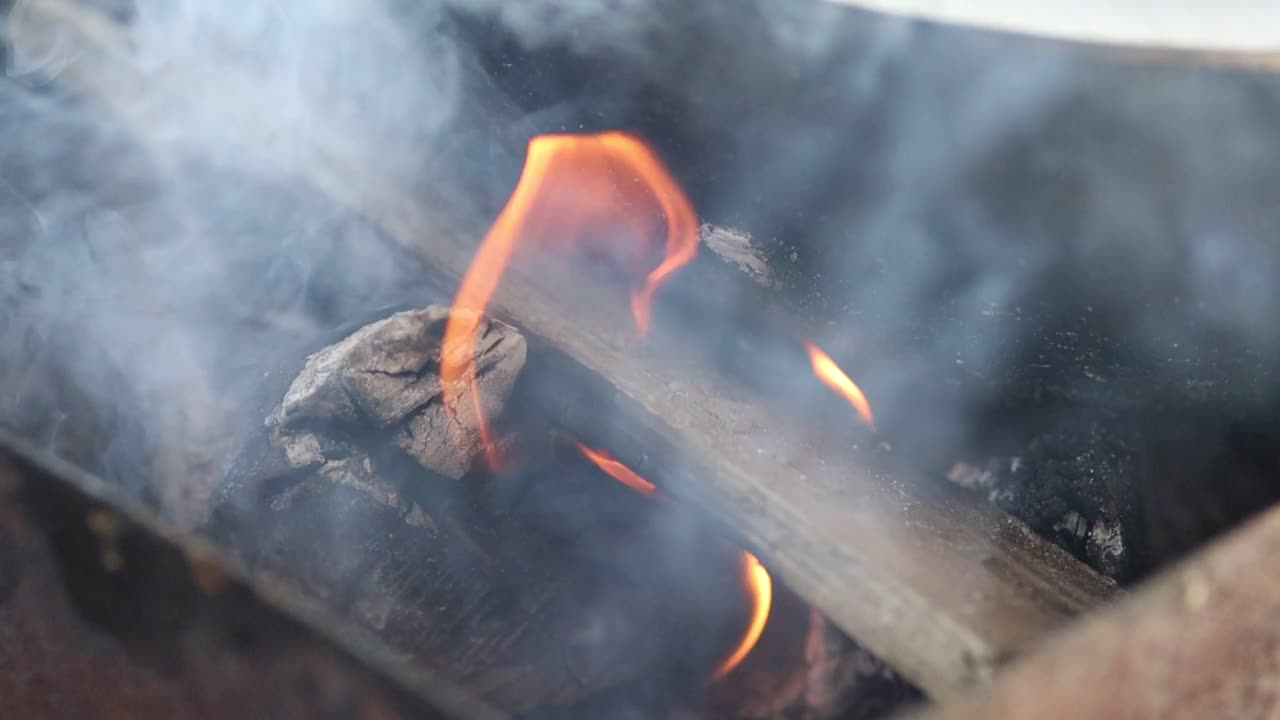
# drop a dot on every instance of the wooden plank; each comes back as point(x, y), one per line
point(1200, 640)
point(940, 585)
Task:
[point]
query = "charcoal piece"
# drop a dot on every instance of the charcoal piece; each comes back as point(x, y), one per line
point(387, 376)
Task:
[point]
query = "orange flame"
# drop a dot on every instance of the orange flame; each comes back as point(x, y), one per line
point(760, 586)
point(754, 577)
point(609, 184)
point(618, 471)
point(833, 377)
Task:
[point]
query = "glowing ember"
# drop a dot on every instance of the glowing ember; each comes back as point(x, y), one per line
point(754, 577)
point(618, 471)
point(610, 187)
point(833, 377)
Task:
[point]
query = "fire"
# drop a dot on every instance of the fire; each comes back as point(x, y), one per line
point(760, 587)
point(573, 187)
point(618, 471)
point(833, 377)
point(755, 578)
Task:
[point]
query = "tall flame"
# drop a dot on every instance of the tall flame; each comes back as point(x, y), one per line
point(609, 185)
point(755, 578)
point(833, 377)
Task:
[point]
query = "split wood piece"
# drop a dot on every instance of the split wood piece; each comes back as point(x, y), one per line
point(1200, 640)
point(939, 585)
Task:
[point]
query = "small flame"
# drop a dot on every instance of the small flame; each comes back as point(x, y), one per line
point(833, 377)
point(754, 577)
point(760, 586)
point(618, 471)
point(572, 187)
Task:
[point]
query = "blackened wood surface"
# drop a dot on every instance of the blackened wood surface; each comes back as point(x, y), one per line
point(938, 584)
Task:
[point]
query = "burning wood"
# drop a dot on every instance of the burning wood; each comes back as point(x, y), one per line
point(736, 452)
point(572, 186)
point(605, 160)
point(940, 586)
